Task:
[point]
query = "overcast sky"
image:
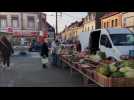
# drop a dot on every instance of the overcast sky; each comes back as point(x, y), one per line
point(66, 18)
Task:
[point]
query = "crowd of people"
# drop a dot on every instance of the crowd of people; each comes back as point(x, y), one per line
point(6, 50)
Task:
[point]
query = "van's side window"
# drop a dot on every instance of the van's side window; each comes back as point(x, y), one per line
point(105, 41)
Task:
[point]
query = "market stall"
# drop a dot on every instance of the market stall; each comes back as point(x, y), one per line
point(97, 68)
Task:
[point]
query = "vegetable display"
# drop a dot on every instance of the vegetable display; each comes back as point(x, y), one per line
point(119, 69)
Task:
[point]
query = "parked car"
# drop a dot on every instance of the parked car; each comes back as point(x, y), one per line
point(35, 47)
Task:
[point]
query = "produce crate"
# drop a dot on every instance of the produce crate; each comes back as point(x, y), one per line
point(129, 82)
point(114, 82)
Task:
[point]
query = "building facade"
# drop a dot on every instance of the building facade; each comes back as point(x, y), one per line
point(72, 31)
point(24, 25)
point(112, 20)
point(92, 21)
point(128, 20)
point(89, 23)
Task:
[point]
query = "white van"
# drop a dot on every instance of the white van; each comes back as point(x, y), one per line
point(115, 42)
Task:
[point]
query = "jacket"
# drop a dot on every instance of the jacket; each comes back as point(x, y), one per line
point(44, 50)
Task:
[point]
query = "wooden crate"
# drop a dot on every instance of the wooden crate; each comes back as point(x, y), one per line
point(129, 82)
point(114, 82)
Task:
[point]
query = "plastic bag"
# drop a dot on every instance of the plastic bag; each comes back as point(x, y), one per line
point(44, 60)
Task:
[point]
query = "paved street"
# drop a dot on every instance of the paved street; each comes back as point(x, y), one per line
point(27, 72)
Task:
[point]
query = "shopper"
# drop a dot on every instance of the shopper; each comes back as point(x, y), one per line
point(54, 52)
point(44, 53)
point(8, 51)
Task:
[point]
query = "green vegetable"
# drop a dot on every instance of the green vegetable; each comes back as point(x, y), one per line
point(95, 58)
point(105, 70)
point(130, 74)
point(113, 68)
point(117, 74)
point(102, 55)
point(128, 63)
point(125, 69)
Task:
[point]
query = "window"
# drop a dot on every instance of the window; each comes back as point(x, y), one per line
point(31, 22)
point(122, 39)
point(104, 25)
point(92, 16)
point(105, 41)
point(3, 21)
point(92, 27)
point(88, 29)
point(129, 21)
point(112, 23)
point(76, 34)
point(116, 22)
point(107, 24)
point(15, 22)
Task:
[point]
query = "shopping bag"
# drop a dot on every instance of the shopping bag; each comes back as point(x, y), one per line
point(44, 60)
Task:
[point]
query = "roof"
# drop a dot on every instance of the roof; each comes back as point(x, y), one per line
point(115, 30)
point(80, 23)
point(109, 14)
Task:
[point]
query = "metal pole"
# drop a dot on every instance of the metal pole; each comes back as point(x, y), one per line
point(56, 24)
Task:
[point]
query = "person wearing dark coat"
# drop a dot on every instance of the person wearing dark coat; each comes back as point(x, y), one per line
point(44, 50)
point(7, 51)
point(78, 46)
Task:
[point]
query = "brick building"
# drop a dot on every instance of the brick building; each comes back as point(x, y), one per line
point(128, 20)
point(112, 20)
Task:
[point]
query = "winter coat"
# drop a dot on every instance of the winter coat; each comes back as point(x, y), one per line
point(78, 47)
point(44, 50)
point(6, 48)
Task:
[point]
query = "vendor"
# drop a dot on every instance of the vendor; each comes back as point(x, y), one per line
point(78, 46)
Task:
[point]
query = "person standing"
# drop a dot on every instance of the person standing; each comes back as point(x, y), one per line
point(8, 51)
point(78, 46)
point(44, 53)
point(54, 52)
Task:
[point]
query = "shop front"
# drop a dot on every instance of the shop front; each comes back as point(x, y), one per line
point(24, 38)
point(41, 38)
